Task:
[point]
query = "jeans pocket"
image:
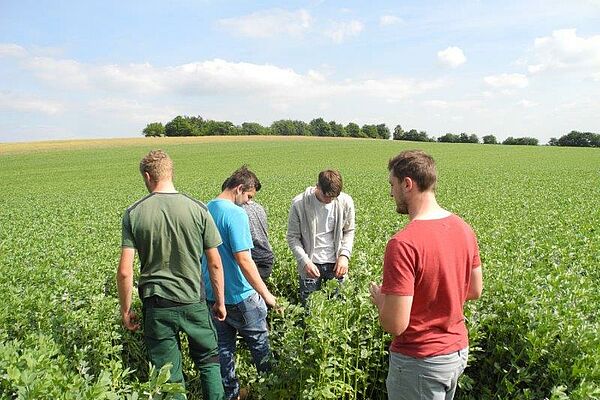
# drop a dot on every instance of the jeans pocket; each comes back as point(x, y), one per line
point(254, 311)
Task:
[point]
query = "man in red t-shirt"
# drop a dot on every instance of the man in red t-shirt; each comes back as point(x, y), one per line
point(430, 268)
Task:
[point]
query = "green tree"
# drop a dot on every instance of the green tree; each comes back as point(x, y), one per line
point(179, 126)
point(522, 141)
point(580, 139)
point(464, 138)
point(337, 130)
point(353, 130)
point(319, 127)
point(197, 124)
point(220, 128)
point(489, 139)
point(253, 128)
point(448, 138)
point(154, 129)
point(399, 133)
point(370, 131)
point(283, 127)
point(383, 132)
point(413, 136)
point(301, 128)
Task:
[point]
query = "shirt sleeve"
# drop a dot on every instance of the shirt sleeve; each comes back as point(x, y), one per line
point(240, 238)
point(127, 239)
point(399, 269)
point(210, 237)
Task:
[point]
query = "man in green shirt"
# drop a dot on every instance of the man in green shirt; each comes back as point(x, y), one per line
point(171, 232)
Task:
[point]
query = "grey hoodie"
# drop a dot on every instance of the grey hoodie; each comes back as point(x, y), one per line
point(301, 227)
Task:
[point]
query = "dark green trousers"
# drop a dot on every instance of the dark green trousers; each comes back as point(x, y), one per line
point(162, 326)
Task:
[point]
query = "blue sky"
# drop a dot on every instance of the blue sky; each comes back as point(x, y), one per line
point(91, 69)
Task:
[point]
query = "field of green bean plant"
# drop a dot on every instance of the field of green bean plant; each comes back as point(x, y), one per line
point(536, 210)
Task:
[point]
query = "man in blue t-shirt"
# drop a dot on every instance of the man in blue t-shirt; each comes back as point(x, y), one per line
point(245, 292)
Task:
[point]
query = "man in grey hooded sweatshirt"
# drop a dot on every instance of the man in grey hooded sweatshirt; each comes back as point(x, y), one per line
point(321, 232)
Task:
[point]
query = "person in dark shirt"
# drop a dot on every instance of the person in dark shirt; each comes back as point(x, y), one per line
point(262, 253)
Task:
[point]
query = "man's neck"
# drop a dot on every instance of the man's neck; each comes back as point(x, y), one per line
point(424, 206)
point(227, 195)
point(165, 186)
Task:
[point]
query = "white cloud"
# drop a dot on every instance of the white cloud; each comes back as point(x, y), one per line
point(269, 23)
point(62, 72)
point(316, 76)
point(507, 81)
point(214, 77)
point(12, 50)
point(25, 103)
point(339, 31)
point(387, 20)
point(564, 49)
point(436, 103)
point(527, 103)
point(567, 106)
point(452, 57)
point(469, 104)
point(220, 76)
point(131, 110)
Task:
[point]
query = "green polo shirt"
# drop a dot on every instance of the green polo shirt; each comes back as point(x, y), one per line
point(170, 232)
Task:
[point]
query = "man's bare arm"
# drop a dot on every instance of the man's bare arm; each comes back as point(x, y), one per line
point(476, 285)
point(394, 311)
point(125, 288)
point(250, 271)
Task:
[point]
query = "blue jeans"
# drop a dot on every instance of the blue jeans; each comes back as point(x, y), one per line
point(309, 285)
point(247, 318)
point(432, 378)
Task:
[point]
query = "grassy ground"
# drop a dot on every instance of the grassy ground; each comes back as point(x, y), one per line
point(535, 210)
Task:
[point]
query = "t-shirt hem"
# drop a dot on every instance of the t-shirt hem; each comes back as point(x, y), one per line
point(424, 354)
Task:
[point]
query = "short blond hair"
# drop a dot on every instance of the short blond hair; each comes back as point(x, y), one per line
point(158, 165)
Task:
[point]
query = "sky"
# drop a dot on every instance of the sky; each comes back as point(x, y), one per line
point(105, 69)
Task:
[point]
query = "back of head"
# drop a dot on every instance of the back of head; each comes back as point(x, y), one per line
point(158, 165)
point(242, 176)
point(417, 165)
point(330, 183)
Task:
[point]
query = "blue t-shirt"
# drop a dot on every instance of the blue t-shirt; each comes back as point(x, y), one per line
point(232, 223)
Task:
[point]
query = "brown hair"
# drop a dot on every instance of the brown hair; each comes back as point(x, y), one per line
point(244, 177)
point(330, 183)
point(417, 165)
point(158, 165)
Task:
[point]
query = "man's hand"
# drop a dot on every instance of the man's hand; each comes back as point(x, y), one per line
point(341, 266)
point(219, 311)
point(130, 321)
point(311, 270)
point(376, 295)
point(270, 300)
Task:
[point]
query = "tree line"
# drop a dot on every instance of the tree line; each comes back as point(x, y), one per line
point(197, 126)
point(577, 139)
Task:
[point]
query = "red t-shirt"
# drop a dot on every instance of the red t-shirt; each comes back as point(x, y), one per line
point(431, 260)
